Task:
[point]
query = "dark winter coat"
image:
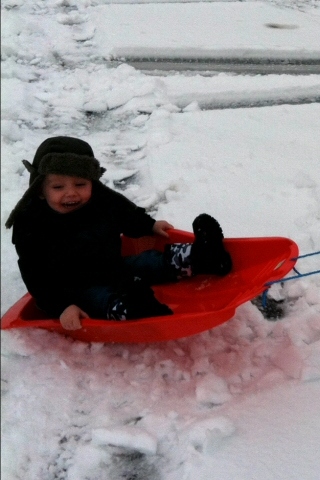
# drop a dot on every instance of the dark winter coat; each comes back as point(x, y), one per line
point(62, 254)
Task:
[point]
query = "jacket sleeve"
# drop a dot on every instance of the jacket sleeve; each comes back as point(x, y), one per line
point(137, 223)
point(35, 264)
point(133, 220)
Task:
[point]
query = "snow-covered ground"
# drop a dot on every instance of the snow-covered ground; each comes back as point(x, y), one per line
point(240, 401)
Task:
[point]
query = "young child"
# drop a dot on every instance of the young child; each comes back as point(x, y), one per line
point(67, 232)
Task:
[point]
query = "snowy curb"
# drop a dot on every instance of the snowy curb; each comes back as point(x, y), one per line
point(230, 55)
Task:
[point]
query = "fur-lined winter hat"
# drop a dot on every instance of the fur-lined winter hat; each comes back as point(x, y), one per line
point(60, 156)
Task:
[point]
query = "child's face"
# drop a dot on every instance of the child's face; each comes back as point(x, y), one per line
point(65, 194)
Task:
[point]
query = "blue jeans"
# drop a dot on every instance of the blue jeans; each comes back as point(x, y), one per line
point(151, 266)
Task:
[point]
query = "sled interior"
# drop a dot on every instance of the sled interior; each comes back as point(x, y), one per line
point(199, 303)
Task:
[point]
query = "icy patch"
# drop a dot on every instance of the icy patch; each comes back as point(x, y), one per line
point(290, 361)
point(127, 437)
point(86, 462)
point(17, 342)
point(208, 435)
point(212, 390)
point(311, 368)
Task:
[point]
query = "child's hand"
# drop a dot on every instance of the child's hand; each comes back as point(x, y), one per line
point(160, 228)
point(71, 317)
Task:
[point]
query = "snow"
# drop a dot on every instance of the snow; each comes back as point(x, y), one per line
point(237, 402)
point(253, 38)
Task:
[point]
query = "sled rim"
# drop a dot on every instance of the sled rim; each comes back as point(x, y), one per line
point(178, 325)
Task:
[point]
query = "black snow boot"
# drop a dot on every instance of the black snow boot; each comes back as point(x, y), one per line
point(140, 301)
point(208, 255)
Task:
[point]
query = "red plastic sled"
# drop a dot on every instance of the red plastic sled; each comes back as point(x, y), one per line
point(199, 303)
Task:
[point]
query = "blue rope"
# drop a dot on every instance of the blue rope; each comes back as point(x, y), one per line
point(292, 278)
point(299, 275)
point(306, 255)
